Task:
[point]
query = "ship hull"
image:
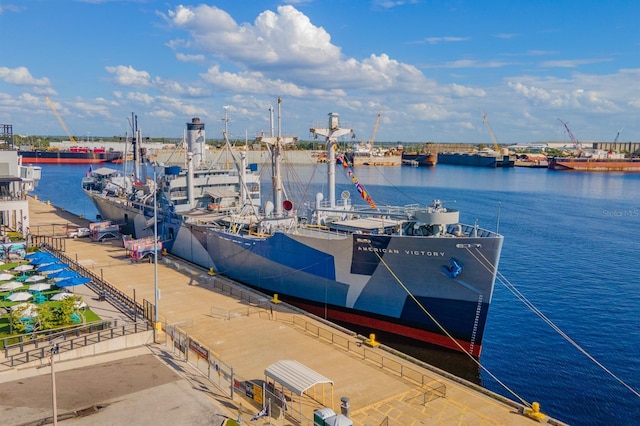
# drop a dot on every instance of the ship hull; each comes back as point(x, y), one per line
point(595, 165)
point(373, 160)
point(475, 160)
point(68, 157)
point(428, 160)
point(471, 160)
point(395, 284)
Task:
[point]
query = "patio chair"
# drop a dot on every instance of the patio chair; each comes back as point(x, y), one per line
point(39, 298)
point(28, 324)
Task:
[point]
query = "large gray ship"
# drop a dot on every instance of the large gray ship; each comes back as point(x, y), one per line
point(410, 270)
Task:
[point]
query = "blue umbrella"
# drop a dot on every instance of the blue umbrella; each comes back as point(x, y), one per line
point(36, 255)
point(44, 260)
point(69, 282)
point(50, 267)
point(65, 273)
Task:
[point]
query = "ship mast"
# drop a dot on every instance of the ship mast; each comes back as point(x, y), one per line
point(277, 144)
point(331, 134)
point(135, 146)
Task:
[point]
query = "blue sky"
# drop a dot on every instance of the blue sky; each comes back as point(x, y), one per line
point(429, 67)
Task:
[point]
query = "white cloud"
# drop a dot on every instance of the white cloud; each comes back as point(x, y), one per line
point(285, 43)
point(189, 58)
point(460, 91)
point(129, 77)
point(284, 38)
point(471, 63)
point(446, 39)
point(571, 63)
point(21, 76)
point(583, 92)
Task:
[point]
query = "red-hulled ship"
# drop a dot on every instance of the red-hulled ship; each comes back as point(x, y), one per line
point(595, 164)
point(73, 155)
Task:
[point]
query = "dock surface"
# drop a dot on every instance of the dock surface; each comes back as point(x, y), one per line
point(250, 343)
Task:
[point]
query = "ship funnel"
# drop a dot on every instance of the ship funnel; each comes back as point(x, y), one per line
point(196, 140)
point(334, 121)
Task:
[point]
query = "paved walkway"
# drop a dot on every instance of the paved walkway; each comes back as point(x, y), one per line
point(251, 343)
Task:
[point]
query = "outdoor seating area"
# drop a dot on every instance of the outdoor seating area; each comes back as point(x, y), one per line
point(39, 281)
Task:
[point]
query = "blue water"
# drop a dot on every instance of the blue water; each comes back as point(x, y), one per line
point(571, 247)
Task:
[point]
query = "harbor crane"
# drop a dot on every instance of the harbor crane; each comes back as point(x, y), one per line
point(373, 133)
point(617, 135)
point(577, 145)
point(496, 147)
point(60, 120)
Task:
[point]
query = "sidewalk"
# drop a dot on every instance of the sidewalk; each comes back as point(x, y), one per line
point(145, 385)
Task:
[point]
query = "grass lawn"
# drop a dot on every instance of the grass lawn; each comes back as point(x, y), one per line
point(5, 305)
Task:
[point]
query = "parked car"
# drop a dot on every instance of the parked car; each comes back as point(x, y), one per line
point(79, 233)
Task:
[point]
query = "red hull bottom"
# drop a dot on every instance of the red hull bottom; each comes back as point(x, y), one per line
point(390, 327)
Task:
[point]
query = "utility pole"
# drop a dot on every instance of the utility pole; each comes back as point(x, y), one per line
point(54, 351)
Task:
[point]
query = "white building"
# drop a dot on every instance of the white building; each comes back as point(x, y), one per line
point(15, 183)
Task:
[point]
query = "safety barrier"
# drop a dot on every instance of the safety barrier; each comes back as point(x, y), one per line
point(76, 342)
point(102, 288)
point(22, 342)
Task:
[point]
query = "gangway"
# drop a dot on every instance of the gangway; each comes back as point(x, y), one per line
point(142, 248)
point(102, 231)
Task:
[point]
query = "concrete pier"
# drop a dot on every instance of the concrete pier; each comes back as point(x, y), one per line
point(379, 386)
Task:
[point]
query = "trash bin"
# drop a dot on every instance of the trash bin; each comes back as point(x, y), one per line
point(321, 414)
point(102, 296)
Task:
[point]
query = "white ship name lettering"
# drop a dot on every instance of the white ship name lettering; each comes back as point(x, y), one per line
point(409, 252)
point(425, 253)
point(379, 250)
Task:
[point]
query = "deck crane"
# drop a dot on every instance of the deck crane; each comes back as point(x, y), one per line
point(496, 147)
point(577, 145)
point(60, 120)
point(373, 133)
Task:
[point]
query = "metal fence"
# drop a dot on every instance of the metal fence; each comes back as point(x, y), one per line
point(22, 342)
point(202, 358)
point(102, 288)
point(76, 342)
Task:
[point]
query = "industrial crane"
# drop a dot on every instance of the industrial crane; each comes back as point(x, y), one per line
point(575, 142)
point(60, 120)
point(496, 147)
point(617, 136)
point(373, 133)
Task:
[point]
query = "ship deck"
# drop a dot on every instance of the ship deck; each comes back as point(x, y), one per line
point(250, 343)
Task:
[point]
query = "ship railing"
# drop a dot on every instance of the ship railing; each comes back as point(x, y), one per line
point(471, 231)
point(341, 205)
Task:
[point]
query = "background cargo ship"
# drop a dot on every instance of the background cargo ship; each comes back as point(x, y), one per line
point(410, 270)
point(78, 155)
point(419, 159)
point(595, 164)
point(476, 159)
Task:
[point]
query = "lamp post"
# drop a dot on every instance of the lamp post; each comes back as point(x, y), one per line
point(156, 323)
point(53, 351)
